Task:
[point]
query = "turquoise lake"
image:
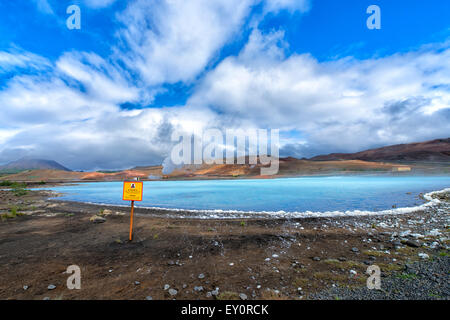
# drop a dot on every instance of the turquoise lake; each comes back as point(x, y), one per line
point(315, 194)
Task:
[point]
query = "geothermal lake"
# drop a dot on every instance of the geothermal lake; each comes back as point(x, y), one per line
point(289, 195)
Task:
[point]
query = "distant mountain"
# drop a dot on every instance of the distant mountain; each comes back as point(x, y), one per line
point(32, 164)
point(429, 151)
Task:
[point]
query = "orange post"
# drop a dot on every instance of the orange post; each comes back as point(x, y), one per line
point(131, 220)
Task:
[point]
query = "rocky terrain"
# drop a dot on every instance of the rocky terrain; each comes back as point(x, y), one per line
point(173, 258)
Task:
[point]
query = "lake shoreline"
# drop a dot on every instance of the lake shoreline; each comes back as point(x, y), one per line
point(262, 258)
point(428, 198)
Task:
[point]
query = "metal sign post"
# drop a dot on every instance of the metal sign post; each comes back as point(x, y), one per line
point(132, 191)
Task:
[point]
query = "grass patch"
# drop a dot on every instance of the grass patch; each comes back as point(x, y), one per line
point(6, 183)
point(407, 251)
point(374, 253)
point(228, 295)
point(271, 295)
point(301, 282)
point(389, 267)
point(242, 223)
point(13, 213)
point(407, 276)
point(329, 276)
point(18, 189)
point(443, 254)
point(344, 264)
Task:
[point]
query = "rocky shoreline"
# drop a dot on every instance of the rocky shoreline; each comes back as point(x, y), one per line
point(308, 258)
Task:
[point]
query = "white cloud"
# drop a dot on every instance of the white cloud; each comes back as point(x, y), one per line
point(171, 41)
point(342, 104)
point(72, 107)
point(13, 59)
point(290, 5)
point(100, 78)
point(44, 6)
point(174, 40)
point(99, 3)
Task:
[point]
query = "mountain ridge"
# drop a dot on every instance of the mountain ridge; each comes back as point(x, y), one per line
point(433, 150)
point(33, 164)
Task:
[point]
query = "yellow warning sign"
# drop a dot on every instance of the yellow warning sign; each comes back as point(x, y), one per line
point(132, 191)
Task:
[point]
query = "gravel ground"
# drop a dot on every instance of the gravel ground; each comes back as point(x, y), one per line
point(424, 280)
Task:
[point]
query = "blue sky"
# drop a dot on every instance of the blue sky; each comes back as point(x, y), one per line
point(138, 69)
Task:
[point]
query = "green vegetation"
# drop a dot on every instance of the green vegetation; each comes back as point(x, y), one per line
point(228, 295)
point(345, 264)
point(242, 223)
point(17, 188)
point(6, 183)
point(443, 254)
point(407, 276)
point(13, 212)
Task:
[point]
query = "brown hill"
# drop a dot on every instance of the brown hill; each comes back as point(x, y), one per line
point(287, 167)
point(430, 151)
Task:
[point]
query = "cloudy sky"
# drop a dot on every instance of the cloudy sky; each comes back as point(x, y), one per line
point(110, 94)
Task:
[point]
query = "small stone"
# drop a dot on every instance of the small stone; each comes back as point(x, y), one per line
point(173, 292)
point(275, 256)
point(434, 245)
point(46, 298)
point(208, 294)
point(184, 286)
point(97, 219)
point(215, 292)
point(316, 259)
point(243, 296)
point(258, 286)
point(137, 283)
point(354, 249)
point(106, 212)
point(342, 259)
point(166, 286)
point(25, 287)
point(198, 289)
point(267, 259)
point(51, 287)
point(148, 298)
point(353, 272)
point(424, 255)
point(412, 243)
point(201, 276)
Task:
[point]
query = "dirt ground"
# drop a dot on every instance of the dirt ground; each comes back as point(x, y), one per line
point(263, 259)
